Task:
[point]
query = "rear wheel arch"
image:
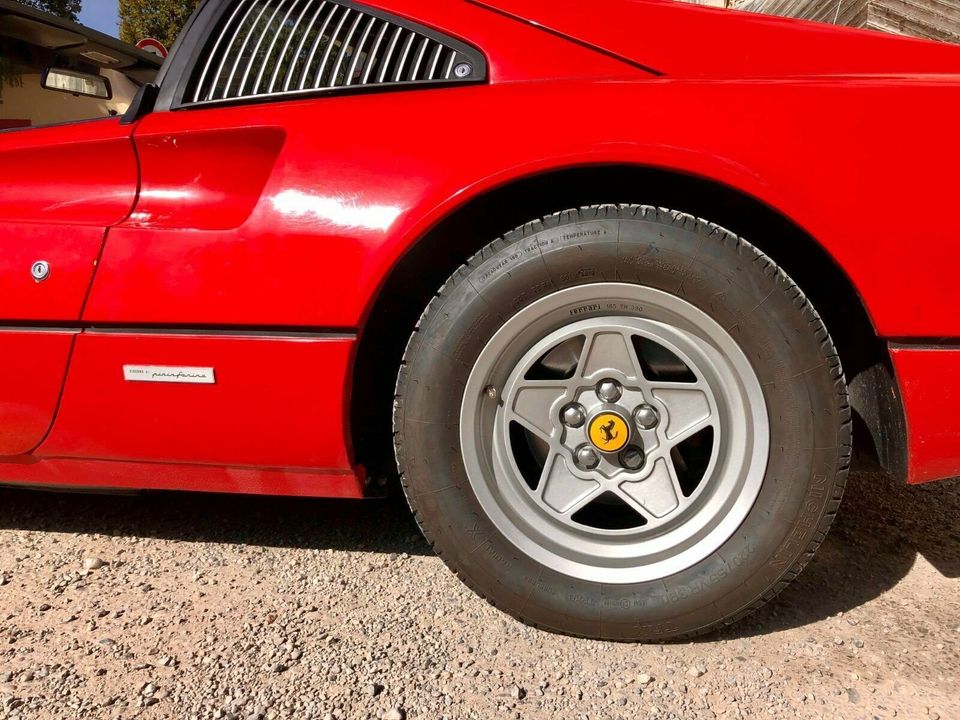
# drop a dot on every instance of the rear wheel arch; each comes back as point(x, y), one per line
point(879, 424)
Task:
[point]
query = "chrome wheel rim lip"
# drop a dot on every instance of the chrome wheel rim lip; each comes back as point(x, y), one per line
point(618, 557)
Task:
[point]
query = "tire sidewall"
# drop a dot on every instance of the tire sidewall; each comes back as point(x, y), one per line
point(716, 272)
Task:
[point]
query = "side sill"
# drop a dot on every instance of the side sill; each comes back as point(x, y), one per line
point(111, 476)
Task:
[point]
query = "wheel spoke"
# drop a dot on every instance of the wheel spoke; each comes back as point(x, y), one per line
point(561, 489)
point(687, 409)
point(658, 494)
point(607, 351)
point(656, 385)
point(534, 406)
point(674, 477)
point(583, 501)
point(692, 430)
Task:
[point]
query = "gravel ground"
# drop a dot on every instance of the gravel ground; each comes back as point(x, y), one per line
point(179, 606)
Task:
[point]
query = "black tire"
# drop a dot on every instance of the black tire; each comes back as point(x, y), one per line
point(740, 288)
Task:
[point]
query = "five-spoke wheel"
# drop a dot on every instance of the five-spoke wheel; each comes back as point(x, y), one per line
point(614, 448)
point(622, 422)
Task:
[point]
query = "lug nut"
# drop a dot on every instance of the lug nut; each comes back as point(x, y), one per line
point(573, 415)
point(632, 458)
point(646, 417)
point(587, 457)
point(609, 390)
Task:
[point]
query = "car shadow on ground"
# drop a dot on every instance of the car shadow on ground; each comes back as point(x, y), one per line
point(382, 525)
point(882, 527)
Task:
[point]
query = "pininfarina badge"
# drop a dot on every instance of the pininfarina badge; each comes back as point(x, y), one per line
point(169, 374)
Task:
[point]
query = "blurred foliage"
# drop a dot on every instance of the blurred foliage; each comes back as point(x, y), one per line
point(160, 19)
point(69, 9)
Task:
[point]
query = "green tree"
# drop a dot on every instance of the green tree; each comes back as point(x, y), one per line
point(68, 9)
point(160, 19)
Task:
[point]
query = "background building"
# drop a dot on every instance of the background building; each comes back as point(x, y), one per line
point(934, 19)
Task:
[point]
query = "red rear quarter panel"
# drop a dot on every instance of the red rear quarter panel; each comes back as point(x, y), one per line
point(691, 41)
point(348, 194)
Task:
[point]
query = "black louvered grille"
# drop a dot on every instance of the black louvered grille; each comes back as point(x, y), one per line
point(278, 47)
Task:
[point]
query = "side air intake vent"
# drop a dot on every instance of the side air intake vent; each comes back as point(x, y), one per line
point(269, 48)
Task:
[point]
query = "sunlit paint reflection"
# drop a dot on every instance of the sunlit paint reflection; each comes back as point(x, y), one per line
point(294, 203)
point(156, 194)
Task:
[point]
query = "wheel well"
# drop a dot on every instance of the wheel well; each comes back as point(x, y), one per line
point(879, 427)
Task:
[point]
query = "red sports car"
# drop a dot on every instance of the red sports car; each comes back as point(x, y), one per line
point(616, 289)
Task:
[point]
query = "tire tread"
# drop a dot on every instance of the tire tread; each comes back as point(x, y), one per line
point(705, 229)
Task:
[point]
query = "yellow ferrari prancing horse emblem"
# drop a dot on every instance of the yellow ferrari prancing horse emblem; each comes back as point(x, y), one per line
point(609, 432)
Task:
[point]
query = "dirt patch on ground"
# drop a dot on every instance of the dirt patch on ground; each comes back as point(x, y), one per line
point(187, 606)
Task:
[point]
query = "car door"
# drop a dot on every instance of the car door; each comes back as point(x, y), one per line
point(62, 187)
point(68, 171)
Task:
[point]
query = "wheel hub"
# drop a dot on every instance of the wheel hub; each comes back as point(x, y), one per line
point(618, 447)
point(609, 432)
point(606, 430)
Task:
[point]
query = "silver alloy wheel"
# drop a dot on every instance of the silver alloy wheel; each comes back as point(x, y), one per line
point(577, 424)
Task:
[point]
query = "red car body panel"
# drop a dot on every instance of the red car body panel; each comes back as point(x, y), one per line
point(695, 42)
point(57, 216)
point(295, 419)
point(76, 174)
point(288, 217)
point(34, 364)
point(931, 392)
point(322, 236)
point(110, 475)
point(206, 180)
point(71, 250)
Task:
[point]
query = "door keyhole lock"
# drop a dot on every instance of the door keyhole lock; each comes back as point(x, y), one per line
point(40, 270)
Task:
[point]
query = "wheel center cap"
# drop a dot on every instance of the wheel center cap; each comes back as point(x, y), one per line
point(609, 432)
